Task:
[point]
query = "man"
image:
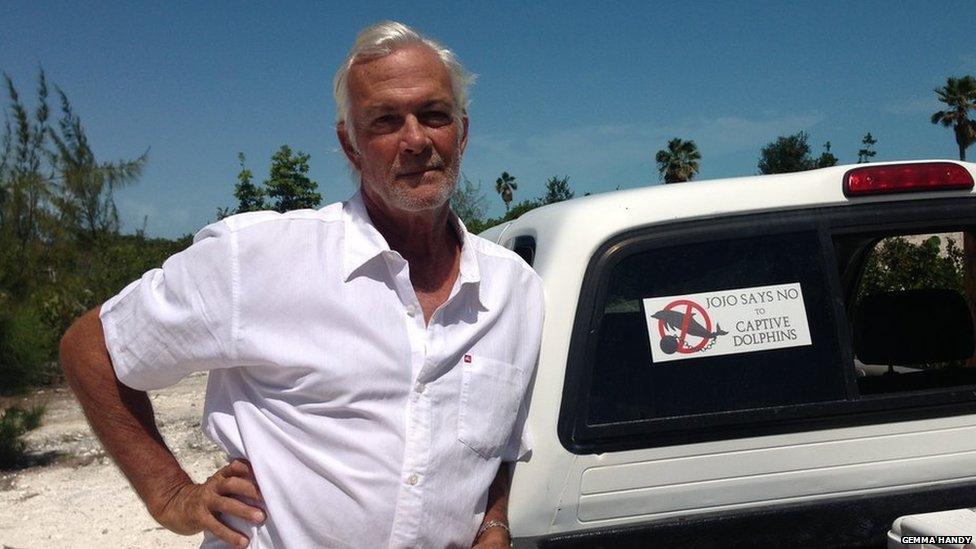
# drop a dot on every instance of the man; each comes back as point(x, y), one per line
point(368, 361)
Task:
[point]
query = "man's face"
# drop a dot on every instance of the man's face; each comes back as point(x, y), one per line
point(409, 143)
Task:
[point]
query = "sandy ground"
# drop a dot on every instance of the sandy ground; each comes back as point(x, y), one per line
point(77, 498)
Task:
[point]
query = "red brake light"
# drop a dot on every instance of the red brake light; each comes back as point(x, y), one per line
point(906, 178)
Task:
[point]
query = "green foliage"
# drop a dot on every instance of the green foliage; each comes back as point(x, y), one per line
point(84, 197)
point(60, 248)
point(898, 264)
point(288, 185)
point(24, 187)
point(557, 190)
point(250, 197)
point(826, 158)
point(512, 213)
point(468, 203)
point(506, 186)
point(959, 94)
point(522, 207)
point(787, 154)
point(679, 161)
point(867, 152)
point(26, 350)
point(14, 424)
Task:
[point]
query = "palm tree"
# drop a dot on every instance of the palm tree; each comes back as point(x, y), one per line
point(959, 94)
point(506, 187)
point(679, 162)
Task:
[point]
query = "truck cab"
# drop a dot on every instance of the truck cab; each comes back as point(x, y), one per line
point(748, 361)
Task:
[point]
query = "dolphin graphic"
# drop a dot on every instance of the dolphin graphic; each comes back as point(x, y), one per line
point(674, 320)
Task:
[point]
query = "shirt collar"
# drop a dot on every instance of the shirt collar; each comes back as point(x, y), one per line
point(362, 243)
point(469, 271)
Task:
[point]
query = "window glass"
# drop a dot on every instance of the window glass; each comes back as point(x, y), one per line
point(929, 342)
point(713, 371)
point(524, 246)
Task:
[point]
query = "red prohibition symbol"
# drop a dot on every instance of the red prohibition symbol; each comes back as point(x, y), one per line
point(687, 309)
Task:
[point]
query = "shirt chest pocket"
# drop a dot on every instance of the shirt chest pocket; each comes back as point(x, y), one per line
point(491, 391)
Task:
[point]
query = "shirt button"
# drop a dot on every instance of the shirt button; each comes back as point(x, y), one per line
point(412, 480)
point(420, 387)
point(412, 310)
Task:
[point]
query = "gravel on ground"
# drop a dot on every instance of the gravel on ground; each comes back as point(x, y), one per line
point(74, 496)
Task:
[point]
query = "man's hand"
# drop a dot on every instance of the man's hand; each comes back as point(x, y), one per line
point(195, 507)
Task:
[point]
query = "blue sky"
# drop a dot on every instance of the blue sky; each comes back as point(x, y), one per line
point(564, 88)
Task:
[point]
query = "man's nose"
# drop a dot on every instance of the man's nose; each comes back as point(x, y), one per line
point(413, 136)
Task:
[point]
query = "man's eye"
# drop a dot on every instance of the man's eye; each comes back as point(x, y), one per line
point(436, 118)
point(386, 122)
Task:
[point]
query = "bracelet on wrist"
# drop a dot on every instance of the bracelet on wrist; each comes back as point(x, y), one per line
point(493, 524)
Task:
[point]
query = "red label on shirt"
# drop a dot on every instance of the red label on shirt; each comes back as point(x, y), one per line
point(467, 358)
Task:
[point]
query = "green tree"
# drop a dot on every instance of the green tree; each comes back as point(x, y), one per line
point(518, 210)
point(557, 190)
point(506, 186)
point(867, 152)
point(898, 264)
point(679, 161)
point(288, 185)
point(827, 158)
point(24, 187)
point(58, 232)
point(468, 203)
point(85, 186)
point(959, 94)
point(787, 154)
point(250, 197)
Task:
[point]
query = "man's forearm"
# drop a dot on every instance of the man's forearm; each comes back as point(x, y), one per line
point(497, 509)
point(121, 417)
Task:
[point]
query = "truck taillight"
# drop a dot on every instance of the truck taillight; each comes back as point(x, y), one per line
point(905, 178)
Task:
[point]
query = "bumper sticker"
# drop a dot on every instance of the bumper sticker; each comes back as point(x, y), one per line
point(726, 322)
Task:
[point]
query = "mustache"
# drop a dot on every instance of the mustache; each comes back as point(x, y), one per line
point(435, 162)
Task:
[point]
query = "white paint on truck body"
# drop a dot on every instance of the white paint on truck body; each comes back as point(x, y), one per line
point(557, 491)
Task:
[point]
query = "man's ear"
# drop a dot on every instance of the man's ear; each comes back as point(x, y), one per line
point(464, 133)
point(347, 147)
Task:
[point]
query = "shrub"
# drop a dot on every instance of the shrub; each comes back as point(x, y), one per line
point(26, 350)
point(14, 424)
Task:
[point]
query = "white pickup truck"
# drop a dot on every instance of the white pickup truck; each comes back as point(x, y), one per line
point(718, 370)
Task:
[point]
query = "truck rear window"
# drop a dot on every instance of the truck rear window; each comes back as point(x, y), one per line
point(762, 324)
point(898, 267)
point(628, 383)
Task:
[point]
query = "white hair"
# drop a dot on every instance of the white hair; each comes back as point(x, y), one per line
point(381, 40)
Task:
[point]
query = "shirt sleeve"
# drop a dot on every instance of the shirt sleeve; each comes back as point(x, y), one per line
point(519, 446)
point(176, 319)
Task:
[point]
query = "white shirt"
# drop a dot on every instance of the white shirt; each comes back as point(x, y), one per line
point(365, 427)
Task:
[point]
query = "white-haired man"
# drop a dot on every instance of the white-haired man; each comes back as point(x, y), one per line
point(368, 361)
